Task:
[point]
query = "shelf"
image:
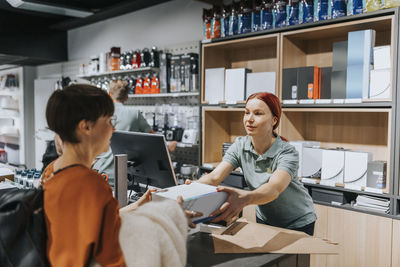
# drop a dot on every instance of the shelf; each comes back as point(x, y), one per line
point(260, 54)
point(342, 189)
point(9, 139)
point(9, 93)
point(119, 72)
point(375, 14)
point(385, 104)
point(180, 94)
point(351, 208)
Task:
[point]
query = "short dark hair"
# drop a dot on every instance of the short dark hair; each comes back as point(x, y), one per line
point(67, 107)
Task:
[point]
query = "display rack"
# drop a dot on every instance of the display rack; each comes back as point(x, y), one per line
point(370, 126)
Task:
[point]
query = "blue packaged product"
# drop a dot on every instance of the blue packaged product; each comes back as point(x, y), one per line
point(256, 16)
point(233, 20)
point(280, 14)
point(225, 21)
point(266, 15)
point(308, 11)
point(322, 9)
point(293, 14)
point(244, 17)
point(357, 7)
point(338, 8)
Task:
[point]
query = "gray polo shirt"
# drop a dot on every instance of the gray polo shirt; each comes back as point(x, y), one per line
point(128, 119)
point(294, 207)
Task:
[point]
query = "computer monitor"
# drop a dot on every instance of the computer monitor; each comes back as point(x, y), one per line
point(149, 162)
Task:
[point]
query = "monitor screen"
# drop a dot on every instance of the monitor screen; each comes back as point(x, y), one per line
point(149, 161)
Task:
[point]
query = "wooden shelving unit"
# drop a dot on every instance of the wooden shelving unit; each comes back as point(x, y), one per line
point(260, 54)
point(367, 126)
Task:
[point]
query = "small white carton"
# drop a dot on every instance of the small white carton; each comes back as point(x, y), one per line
point(332, 167)
point(355, 168)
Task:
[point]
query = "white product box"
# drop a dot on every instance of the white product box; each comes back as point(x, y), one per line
point(311, 162)
point(235, 85)
point(382, 57)
point(196, 197)
point(380, 85)
point(332, 167)
point(260, 82)
point(355, 168)
point(299, 146)
point(214, 85)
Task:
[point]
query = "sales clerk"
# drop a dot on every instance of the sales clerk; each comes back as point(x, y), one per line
point(269, 165)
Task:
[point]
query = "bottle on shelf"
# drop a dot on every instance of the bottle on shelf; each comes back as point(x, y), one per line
point(244, 17)
point(139, 86)
point(233, 19)
point(136, 59)
point(115, 58)
point(280, 13)
point(207, 23)
point(216, 22)
point(256, 16)
point(224, 20)
point(146, 85)
point(267, 15)
point(293, 16)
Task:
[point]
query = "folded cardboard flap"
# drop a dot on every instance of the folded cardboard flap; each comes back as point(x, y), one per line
point(250, 237)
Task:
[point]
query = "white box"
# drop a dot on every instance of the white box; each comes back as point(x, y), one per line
point(355, 167)
point(299, 146)
point(382, 57)
point(214, 85)
point(235, 84)
point(380, 85)
point(260, 82)
point(196, 197)
point(332, 166)
point(311, 162)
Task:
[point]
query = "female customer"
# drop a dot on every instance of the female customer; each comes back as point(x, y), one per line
point(82, 217)
point(269, 166)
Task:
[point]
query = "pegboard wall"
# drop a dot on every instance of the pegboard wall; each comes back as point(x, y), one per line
point(186, 155)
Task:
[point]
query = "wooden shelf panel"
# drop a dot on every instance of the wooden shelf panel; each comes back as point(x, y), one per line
point(220, 126)
point(313, 46)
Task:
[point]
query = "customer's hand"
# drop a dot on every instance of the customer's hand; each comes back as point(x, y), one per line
point(236, 201)
point(142, 200)
point(172, 146)
point(189, 214)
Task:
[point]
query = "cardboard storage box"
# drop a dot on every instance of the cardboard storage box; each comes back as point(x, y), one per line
point(311, 162)
point(380, 86)
point(328, 196)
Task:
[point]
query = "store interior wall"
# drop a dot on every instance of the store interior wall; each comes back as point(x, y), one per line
point(164, 24)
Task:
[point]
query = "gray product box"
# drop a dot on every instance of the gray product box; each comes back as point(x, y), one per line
point(165, 72)
point(376, 174)
point(326, 74)
point(339, 70)
point(289, 79)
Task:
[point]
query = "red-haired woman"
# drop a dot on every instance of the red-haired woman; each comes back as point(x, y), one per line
point(269, 166)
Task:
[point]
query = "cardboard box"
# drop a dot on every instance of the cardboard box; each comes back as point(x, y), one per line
point(235, 85)
point(250, 237)
point(299, 146)
point(196, 197)
point(359, 63)
point(332, 167)
point(380, 86)
point(382, 57)
point(355, 167)
point(311, 162)
point(260, 82)
point(214, 85)
point(376, 175)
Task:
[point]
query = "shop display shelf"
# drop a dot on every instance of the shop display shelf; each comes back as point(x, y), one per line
point(120, 73)
point(177, 94)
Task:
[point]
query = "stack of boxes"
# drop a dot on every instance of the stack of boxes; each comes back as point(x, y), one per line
point(235, 85)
